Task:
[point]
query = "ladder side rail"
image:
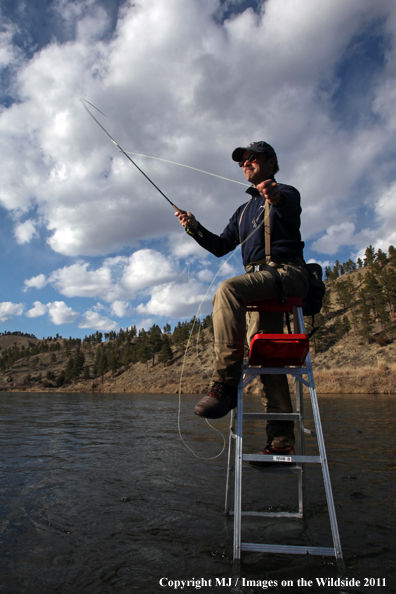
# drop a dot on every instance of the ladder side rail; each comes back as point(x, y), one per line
point(301, 443)
point(238, 475)
point(296, 321)
point(322, 451)
point(229, 458)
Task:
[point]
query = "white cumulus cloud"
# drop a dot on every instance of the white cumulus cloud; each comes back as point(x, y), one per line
point(25, 231)
point(38, 282)
point(8, 310)
point(335, 236)
point(120, 308)
point(177, 300)
point(38, 309)
point(92, 319)
point(60, 313)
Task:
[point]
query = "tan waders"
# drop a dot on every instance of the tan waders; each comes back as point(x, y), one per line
point(230, 325)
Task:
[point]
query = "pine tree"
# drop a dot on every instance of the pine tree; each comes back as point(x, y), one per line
point(155, 344)
point(366, 321)
point(79, 362)
point(69, 372)
point(346, 295)
point(369, 256)
point(101, 365)
point(319, 333)
point(165, 353)
point(392, 255)
point(381, 258)
point(60, 380)
point(336, 270)
point(143, 351)
point(388, 282)
point(371, 292)
point(326, 304)
point(113, 360)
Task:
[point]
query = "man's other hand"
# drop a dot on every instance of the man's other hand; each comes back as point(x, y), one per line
point(269, 190)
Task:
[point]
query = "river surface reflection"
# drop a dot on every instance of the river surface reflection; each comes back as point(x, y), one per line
point(99, 495)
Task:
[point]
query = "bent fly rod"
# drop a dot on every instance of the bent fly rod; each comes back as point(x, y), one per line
point(84, 101)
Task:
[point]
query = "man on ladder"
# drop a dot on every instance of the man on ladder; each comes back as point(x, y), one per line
point(268, 229)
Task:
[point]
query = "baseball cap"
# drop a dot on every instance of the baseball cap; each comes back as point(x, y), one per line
point(254, 147)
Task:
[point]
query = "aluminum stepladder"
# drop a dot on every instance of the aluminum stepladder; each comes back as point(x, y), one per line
point(286, 356)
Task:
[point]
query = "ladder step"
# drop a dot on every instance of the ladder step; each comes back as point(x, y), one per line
point(287, 459)
point(270, 514)
point(288, 550)
point(274, 371)
point(271, 416)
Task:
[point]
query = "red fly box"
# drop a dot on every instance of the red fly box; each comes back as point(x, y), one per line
point(278, 350)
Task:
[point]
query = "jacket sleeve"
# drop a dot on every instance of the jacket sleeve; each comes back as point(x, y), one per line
point(290, 202)
point(219, 245)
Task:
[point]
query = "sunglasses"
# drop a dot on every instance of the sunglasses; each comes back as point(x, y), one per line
point(249, 160)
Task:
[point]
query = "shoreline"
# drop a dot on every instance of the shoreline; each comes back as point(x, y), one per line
point(367, 380)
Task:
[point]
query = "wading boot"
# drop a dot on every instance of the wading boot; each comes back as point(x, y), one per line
point(218, 401)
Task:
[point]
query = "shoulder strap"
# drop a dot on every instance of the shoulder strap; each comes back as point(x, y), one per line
point(267, 232)
point(240, 220)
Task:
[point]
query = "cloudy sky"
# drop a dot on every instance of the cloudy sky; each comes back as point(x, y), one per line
point(87, 243)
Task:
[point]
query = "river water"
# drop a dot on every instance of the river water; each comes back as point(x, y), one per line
point(99, 495)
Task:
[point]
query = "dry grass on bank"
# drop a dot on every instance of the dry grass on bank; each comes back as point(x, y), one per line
point(366, 380)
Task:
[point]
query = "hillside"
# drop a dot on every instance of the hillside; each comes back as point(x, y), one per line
point(353, 351)
point(347, 367)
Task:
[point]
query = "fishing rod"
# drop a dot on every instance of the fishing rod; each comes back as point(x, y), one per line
point(84, 101)
point(189, 229)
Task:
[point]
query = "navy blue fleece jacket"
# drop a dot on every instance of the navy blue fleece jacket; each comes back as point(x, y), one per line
point(286, 241)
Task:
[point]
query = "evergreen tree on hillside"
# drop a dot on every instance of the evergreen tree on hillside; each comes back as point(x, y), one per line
point(371, 292)
point(365, 319)
point(327, 273)
point(101, 364)
point(347, 296)
point(165, 353)
point(155, 342)
point(318, 335)
point(113, 360)
point(326, 305)
point(388, 283)
point(181, 334)
point(208, 323)
point(392, 255)
point(143, 351)
point(369, 256)
point(381, 258)
point(336, 269)
point(349, 266)
point(79, 362)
